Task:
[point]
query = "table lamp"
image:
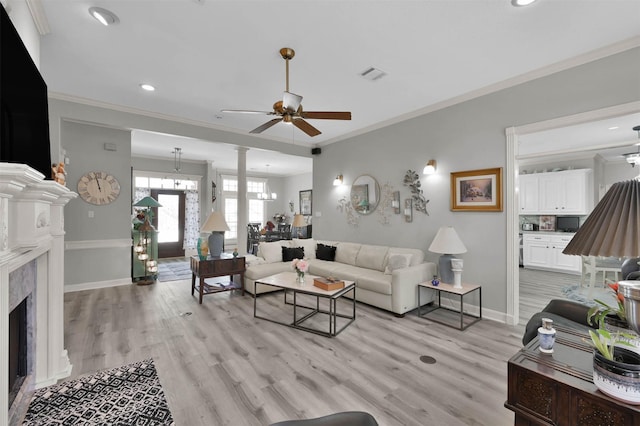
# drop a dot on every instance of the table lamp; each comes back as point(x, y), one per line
point(215, 224)
point(149, 203)
point(447, 243)
point(298, 222)
point(613, 230)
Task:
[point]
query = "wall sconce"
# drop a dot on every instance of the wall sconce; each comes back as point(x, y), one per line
point(395, 202)
point(337, 181)
point(408, 210)
point(430, 168)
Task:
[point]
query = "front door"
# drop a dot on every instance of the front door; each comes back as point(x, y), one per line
point(169, 221)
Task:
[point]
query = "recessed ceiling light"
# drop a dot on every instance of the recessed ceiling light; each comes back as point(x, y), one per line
point(518, 3)
point(614, 128)
point(104, 16)
point(147, 87)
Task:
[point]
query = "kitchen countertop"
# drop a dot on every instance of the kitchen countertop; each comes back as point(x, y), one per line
point(547, 233)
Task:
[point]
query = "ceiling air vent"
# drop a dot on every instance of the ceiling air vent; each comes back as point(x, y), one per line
point(372, 74)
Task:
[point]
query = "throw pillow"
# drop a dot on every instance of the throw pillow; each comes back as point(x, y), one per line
point(290, 253)
point(272, 251)
point(324, 252)
point(397, 261)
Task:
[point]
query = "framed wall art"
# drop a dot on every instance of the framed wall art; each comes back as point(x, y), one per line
point(477, 190)
point(305, 202)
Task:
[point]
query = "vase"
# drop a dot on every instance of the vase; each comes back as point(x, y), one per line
point(300, 278)
point(203, 247)
point(620, 378)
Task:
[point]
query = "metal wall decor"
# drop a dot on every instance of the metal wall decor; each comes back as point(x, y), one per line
point(386, 203)
point(345, 206)
point(395, 203)
point(412, 180)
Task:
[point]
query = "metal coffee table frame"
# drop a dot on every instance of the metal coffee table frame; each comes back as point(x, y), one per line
point(331, 296)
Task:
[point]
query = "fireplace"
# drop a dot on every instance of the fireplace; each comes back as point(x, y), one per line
point(31, 286)
point(17, 349)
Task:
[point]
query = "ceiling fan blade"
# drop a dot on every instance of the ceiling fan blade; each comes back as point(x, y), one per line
point(247, 111)
point(306, 127)
point(326, 115)
point(266, 125)
point(291, 101)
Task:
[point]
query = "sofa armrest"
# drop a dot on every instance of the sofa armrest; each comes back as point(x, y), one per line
point(404, 285)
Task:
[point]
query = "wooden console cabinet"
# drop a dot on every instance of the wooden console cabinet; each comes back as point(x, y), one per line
point(558, 389)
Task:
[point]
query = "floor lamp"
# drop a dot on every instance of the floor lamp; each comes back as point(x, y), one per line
point(215, 224)
point(146, 231)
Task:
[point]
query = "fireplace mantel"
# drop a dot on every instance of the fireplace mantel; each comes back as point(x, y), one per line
point(32, 228)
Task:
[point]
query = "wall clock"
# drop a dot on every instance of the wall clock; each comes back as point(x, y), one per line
point(98, 188)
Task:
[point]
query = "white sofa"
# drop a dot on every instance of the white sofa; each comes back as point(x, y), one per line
point(386, 277)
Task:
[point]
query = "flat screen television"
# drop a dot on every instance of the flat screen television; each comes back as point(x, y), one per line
point(567, 223)
point(24, 107)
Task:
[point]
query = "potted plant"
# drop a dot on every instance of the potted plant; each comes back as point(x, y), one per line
point(616, 369)
point(613, 318)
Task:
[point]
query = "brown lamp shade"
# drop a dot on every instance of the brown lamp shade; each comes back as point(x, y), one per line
point(613, 227)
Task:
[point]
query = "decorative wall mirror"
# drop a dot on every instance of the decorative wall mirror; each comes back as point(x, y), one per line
point(365, 194)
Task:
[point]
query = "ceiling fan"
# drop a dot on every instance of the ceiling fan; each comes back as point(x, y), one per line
point(289, 109)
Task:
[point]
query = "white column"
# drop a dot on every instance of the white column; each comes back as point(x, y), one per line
point(243, 214)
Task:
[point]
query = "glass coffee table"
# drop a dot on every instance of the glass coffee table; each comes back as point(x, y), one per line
point(287, 282)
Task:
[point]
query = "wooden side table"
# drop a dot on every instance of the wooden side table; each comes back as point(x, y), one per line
point(210, 267)
point(461, 292)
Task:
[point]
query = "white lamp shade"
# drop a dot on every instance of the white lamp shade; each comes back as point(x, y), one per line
point(298, 221)
point(447, 241)
point(215, 223)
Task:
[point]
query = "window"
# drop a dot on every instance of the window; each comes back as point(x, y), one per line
point(254, 205)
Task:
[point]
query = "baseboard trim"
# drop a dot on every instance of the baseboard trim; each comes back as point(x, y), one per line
point(488, 314)
point(97, 284)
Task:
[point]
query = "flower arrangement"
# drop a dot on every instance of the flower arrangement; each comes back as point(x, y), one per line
point(605, 340)
point(300, 266)
point(599, 312)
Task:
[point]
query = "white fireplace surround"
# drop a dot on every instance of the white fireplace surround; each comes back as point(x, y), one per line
point(32, 228)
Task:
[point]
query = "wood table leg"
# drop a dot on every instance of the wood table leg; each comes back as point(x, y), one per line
point(201, 288)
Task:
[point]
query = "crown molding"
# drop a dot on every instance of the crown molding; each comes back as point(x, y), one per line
point(39, 16)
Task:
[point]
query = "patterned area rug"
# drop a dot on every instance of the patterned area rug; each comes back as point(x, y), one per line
point(173, 271)
point(127, 395)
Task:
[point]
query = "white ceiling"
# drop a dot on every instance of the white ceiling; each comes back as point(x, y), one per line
point(207, 55)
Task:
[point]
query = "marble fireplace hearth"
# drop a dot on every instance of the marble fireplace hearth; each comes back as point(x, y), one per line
point(32, 269)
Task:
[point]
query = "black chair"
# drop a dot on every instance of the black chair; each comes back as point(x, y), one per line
point(253, 237)
point(284, 229)
point(347, 418)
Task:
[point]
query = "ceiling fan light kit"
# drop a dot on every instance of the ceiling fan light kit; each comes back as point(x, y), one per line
point(289, 109)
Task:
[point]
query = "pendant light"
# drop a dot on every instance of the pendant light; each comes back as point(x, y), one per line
point(267, 195)
point(177, 166)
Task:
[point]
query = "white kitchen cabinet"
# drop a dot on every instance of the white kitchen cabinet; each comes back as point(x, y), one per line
point(556, 193)
point(528, 194)
point(544, 251)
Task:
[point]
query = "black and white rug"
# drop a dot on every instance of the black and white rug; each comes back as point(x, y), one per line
point(174, 271)
point(127, 395)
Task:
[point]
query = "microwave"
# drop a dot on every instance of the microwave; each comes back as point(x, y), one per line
point(567, 223)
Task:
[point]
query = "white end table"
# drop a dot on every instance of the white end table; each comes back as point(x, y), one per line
point(448, 288)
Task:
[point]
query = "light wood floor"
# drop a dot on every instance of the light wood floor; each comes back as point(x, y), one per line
point(222, 366)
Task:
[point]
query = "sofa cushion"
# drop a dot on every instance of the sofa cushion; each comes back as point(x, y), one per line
point(347, 253)
point(372, 257)
point(257, 272)
point(364, 278)
point(309, 246)
point(272, 252)
point(397, 261)
point(324, 252)
point(290, 253)
point(417, 256)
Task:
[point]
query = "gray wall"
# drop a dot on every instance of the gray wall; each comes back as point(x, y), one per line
point(84, 144)
point(466, 136)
